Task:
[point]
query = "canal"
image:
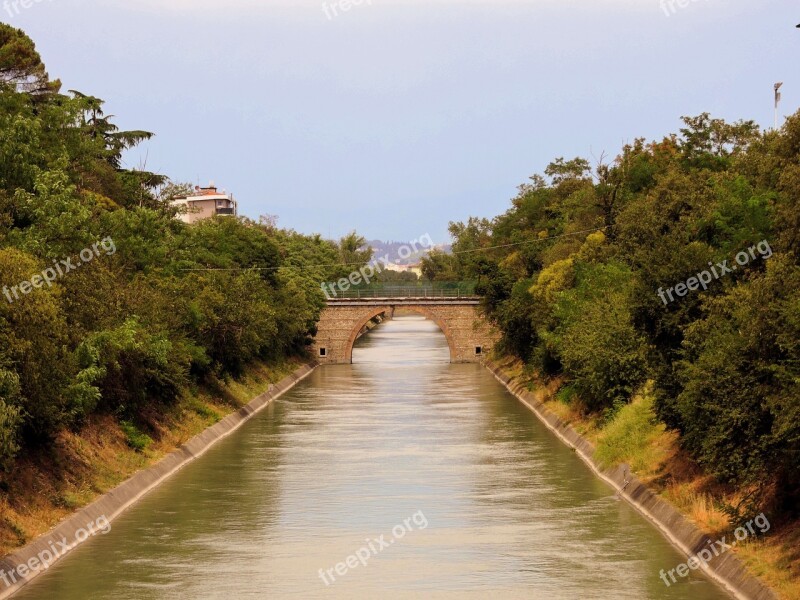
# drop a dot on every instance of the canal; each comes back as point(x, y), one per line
point(431, 477)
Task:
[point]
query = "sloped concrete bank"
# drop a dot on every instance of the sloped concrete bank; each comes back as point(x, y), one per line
point(23, 566)
point(726, 569)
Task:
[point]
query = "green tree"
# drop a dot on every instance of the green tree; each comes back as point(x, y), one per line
point(439, 266)
point(597, 343)
point(740, 404)
point(21, 67)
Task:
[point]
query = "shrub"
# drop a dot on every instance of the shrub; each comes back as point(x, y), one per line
point(600, 350)
point(134, 437)
point(634, 436)
point(10, 420)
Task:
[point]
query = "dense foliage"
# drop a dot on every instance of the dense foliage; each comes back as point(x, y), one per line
point(160, 306)
point(572, 273)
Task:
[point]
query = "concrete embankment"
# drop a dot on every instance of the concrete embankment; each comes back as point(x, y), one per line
point(726, 569)
point(23, 566)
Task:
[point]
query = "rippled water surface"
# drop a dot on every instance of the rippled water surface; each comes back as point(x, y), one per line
point(474, 498)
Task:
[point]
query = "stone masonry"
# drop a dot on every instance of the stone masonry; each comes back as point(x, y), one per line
point(468, 334)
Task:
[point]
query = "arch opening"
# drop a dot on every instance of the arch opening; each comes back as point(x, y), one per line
point(376, 311)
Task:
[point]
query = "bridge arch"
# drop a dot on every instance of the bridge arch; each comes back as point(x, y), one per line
point(376, 311)
point(469, 336)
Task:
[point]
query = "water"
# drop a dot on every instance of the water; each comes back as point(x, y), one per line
point(484, 502)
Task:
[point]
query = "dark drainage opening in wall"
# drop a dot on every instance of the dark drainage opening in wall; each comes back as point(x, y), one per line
point(323, 352)
point(478, 350)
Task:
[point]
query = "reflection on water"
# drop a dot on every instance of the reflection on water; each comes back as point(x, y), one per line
point(350, 454)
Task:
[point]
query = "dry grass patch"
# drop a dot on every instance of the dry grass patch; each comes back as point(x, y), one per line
point(776, 560)
point(636, 437)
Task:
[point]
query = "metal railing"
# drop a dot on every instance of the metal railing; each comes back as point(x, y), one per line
point(437, 290)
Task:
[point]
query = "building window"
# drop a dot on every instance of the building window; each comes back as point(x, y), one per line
point(323, 352)
point(478, 350)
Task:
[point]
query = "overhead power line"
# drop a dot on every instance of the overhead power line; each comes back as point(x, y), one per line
point(328, 266)
point(553, 237)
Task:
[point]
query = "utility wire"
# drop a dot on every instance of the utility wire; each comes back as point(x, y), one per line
point(552, 237)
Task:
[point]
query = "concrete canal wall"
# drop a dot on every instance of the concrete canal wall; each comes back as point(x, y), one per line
point(726, 569)
point(23, 566)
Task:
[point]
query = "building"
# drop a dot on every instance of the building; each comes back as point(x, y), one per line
point(415, 269)
point(206, 202)
point(397, 268)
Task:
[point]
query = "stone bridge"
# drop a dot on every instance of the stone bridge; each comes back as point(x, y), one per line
point(468, 334)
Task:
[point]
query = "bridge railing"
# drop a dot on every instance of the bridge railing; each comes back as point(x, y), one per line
point(437, 290)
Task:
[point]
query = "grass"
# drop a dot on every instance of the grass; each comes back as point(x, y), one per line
point(700, 507)
point(566, 394)
point(203, 410)
point(634, 436)
point(135, 438)
point(776, 560)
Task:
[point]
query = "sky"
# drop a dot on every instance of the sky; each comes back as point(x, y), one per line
point(393, 118)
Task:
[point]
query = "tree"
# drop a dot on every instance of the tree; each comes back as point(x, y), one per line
point(561, 170)
point(33, 340)
point(353, 252)
point(10, 417)
point(21, 67)
point(439, 266)
point(597, 343)
point(740, 404)
point(129, 332)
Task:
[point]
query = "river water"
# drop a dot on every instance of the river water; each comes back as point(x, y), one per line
point(430, 473)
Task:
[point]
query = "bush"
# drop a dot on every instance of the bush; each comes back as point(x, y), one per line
point(10, 417)
point(33, 336)
point(134, 437)
point(600, 350)
point(634, 436)
point(740, 405)
point(130, 365)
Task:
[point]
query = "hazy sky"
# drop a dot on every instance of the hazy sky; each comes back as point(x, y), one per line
point(396, 117)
